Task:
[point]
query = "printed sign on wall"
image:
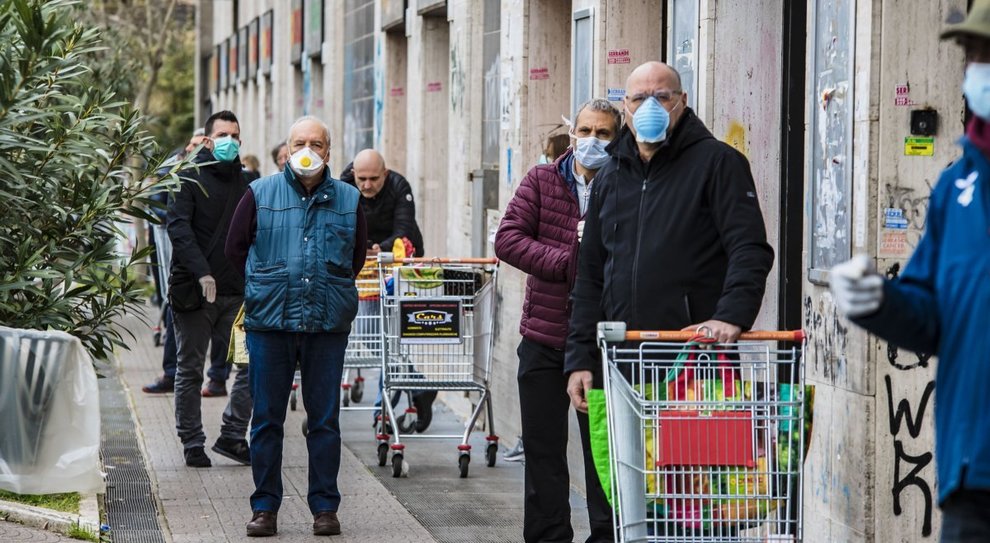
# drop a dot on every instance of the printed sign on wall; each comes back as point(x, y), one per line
point(242, 54)
point(313, 16)
point(252, 54)
point(265, 47)
point(232, 60)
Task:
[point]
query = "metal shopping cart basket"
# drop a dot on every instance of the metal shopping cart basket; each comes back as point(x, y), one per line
point(364, 344)
point(437, 319)
point(705, 440)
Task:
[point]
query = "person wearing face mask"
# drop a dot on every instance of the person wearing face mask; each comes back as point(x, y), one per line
point(298, 236)
point(539, 236)
point(938, 304)
point(206, 292)
point(673, 238)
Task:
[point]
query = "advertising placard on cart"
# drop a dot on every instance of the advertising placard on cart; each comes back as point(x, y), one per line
point(429, 321)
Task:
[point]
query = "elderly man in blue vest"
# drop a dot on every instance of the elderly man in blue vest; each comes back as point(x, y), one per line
point(299, 236)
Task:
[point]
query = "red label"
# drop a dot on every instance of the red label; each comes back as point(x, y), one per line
point(397, 91)
point(434, 86)
point(902, 90)
point(618, 56)
point(539, 73)
point(902, 101)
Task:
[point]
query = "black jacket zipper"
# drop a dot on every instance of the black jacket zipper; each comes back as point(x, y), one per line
point(635, 267)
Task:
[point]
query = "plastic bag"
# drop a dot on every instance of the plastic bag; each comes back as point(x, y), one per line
point(237, 352)
point(50, 414)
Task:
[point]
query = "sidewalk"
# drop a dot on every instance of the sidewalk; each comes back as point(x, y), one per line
point(432, 504)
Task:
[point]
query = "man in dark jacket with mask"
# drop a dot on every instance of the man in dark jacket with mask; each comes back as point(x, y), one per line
point(206, 291)
point(674, 237)
point(539, 236)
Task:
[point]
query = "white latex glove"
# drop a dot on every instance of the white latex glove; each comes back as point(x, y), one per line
point(856, 286)
point(209, 285)
point(580, 231)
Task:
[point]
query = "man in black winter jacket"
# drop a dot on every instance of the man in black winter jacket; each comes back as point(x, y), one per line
point(206, 290)
point(389, 209)
point(387, 202)
point(674, 237)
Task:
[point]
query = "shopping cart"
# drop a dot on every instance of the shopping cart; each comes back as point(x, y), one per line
point(437, 318)
point(705, 440)
point(163, 250)
point(364, 344)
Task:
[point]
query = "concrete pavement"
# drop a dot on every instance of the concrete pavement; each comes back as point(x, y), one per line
point(432, 504)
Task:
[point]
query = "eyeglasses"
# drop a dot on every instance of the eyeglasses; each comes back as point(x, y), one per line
point(665, 97)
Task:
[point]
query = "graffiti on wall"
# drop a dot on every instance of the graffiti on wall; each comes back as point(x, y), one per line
point(903, 219)
point(827, 339)
point(909, 414)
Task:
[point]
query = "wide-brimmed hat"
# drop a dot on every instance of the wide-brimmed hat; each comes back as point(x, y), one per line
point(976, 23)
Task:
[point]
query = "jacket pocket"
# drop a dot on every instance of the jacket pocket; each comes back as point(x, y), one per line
point(338, 247)
point(264, 299)
point(342, 303)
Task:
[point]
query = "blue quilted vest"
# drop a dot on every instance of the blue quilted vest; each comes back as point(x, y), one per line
point(299, 273)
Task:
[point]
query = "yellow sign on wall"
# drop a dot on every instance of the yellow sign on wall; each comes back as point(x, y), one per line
point(919, 146)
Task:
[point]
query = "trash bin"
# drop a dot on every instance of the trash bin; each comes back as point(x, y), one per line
point(50, 413)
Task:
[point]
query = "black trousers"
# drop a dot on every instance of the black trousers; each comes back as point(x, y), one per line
point(544, 407)
point(965, 516)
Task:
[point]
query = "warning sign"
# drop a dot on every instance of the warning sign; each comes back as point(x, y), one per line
point(919, 146)
point(618, 56)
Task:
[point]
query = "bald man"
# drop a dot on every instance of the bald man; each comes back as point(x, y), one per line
point(298, 237)
point(387, 200)
point(673, 238)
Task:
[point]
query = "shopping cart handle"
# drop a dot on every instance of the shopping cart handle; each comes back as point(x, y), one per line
point(441, 260)
point(614, 332)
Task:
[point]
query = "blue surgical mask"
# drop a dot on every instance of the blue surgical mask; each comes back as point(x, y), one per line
point(651, 121)
point(225, 148)
point(590, 152)
point(976, 88)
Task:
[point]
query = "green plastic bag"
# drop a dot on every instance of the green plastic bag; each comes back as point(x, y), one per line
point(598, 430)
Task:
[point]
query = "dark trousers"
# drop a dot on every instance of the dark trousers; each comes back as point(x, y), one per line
point(273, 363)
point(544, 407)
point(966, 517)
point(219, 368)
point(194, 331)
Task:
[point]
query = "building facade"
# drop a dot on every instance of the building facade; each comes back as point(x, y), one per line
point(824, 97)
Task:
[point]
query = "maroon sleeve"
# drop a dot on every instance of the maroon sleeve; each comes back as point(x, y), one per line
point(360, 241)
point(517, 242)
point(243, 226)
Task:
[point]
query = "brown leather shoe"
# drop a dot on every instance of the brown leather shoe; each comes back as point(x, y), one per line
point(326, 523)
point(263, 524)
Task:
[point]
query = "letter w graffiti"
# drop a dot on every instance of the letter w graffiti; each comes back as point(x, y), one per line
point(919, 462)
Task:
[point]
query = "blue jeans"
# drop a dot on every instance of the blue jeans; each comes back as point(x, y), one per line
point(219, 368)
point(273, 363)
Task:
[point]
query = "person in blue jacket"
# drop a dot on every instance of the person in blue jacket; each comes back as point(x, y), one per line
point(941, 302)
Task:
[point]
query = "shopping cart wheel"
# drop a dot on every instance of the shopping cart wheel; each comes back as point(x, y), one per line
point(398, 470)
point(357, 391)
point(305, 426)
point(407, 425)
point(491, 454)
point(347, 401)
point(382, 454)
point(462, 463)
point(292, 400)
point(158, 339)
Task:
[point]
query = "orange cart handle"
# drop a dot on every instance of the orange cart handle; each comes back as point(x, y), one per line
point(677, 335)
point(429, 260)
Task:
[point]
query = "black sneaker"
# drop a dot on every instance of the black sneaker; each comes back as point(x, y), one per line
point(196, 458)
point(235, 449)
point(424, 409)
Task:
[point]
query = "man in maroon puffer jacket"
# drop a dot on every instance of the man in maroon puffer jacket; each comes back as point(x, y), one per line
point(539, 235)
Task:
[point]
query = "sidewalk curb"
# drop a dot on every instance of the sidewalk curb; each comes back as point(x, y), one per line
point(47, 519)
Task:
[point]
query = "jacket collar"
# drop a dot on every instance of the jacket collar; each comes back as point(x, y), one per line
point(325, 188)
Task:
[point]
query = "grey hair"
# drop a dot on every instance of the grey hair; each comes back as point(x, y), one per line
point(308, 118)
point(603, 106)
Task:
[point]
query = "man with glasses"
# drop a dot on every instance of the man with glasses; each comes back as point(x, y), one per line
point(673, 237)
